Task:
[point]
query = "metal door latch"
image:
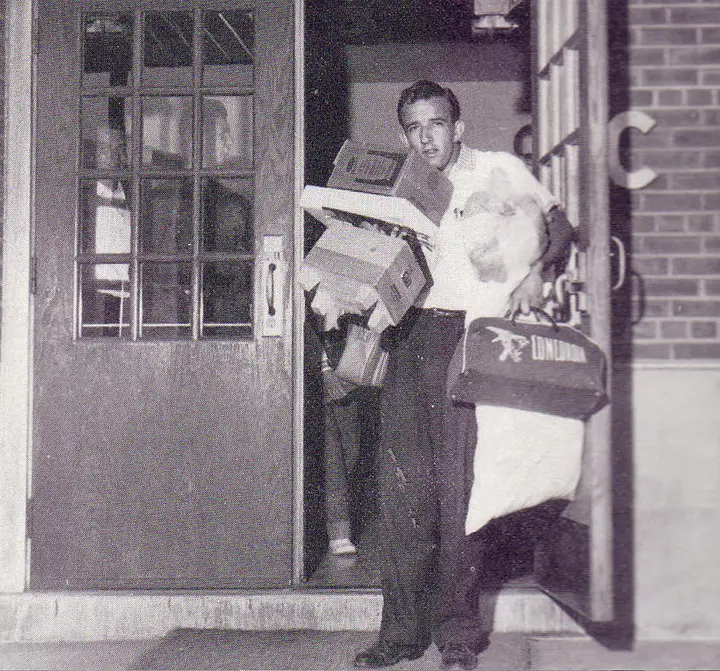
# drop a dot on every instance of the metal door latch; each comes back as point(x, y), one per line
point(273, 285)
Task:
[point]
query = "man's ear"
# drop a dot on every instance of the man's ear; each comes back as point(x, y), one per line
point(459, 130)
point(404, 140)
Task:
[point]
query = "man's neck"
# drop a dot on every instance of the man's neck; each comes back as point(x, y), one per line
point(453, 158)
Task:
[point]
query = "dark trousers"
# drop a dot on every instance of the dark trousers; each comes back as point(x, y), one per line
point(346, 450)
point(342, 451)
point(431, 571)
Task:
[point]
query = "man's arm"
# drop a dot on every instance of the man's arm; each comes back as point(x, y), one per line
point(529, 293)
point(561, 234)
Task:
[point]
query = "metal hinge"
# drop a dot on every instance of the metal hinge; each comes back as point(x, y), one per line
point(33, 275)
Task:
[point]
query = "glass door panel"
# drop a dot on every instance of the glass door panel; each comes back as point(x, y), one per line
point(574, 561)
point(229, 47)
point(191, 168)
point(168, 48)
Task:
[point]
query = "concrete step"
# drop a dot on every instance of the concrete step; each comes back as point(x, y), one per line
point(114, 615)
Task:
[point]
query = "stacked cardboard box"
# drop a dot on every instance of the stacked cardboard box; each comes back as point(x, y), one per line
point(354, 270)
point(328, 205)
point(388, 172)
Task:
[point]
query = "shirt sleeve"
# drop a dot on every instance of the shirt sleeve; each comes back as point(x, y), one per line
point(524, 181)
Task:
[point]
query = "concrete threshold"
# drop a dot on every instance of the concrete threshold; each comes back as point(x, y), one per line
point(120, 615)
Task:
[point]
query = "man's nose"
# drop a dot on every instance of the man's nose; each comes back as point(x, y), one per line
point(424, 135)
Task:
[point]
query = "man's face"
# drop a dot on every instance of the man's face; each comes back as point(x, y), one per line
point(430, 130)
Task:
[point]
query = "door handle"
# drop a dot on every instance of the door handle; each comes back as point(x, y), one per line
point(622, 261)
point(270, 289)
point(570, 290)
point(273, 285)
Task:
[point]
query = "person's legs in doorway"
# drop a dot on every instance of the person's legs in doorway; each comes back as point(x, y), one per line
point(342, 450)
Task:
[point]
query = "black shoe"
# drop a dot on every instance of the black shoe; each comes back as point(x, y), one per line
point(383, 653)
point(457, 657)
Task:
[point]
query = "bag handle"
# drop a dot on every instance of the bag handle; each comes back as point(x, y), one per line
point(538, 312)
point(464, 350)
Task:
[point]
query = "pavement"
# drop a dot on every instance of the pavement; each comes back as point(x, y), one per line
point(212, 649)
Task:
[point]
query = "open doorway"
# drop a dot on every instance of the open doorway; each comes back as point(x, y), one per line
point(359, 57)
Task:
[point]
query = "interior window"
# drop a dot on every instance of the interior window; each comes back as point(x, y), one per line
point(166, 176)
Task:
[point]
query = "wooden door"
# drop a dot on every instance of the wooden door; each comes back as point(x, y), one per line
point(574, 563)
point(162, 445)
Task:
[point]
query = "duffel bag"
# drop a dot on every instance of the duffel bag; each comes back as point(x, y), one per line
point(549, 368)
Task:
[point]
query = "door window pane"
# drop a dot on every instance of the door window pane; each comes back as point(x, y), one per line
point(227, 299)
point(166, 299)
point(107, 49)
point(167, 131)
point(166, 220)
point(105, 300)
point(228, 46)
point(183, 253)
point(227, 215)
point(105, 217)
point(168, 48)
point(105, 126)
point(228, 132)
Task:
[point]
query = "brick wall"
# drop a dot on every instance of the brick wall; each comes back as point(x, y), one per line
point(674, 76)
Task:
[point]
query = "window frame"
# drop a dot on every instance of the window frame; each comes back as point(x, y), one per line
point(135, 91)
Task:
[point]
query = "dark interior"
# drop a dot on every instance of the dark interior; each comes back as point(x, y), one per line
point(375, 27)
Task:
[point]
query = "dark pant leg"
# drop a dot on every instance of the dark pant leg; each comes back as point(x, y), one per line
point(466, 597)
point(459, 610)
point(342, 447)
point(416, 407)
point(407, 497)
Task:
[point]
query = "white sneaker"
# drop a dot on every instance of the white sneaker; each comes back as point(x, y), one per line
point(342, 546)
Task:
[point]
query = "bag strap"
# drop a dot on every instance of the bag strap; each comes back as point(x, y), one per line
point(539, 314)
point(464, 349)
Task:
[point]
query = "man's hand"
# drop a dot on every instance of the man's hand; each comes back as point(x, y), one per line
point(529, 293)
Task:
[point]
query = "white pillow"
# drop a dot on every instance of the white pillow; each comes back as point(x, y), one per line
point(521, 460)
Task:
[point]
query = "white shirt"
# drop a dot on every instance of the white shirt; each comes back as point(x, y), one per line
point(455, 284)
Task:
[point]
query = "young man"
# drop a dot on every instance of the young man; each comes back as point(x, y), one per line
point(431, 571)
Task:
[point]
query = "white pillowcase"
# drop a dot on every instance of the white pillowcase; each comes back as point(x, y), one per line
point(521, 460)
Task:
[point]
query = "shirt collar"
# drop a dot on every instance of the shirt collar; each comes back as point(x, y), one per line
point(465, 160)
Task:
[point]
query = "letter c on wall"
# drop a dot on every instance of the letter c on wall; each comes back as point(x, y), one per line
point(630, 179)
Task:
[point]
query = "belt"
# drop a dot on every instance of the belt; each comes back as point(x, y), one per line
point(440, 312)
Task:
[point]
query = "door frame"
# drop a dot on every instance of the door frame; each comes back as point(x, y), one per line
point(298, 303)
point(17, 302)
point(602, 570)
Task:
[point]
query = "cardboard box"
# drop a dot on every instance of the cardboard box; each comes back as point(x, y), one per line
point(325, 204)
point(353, 270)
point(390, 172)
point(363, 361)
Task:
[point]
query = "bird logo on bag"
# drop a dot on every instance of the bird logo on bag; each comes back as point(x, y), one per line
point(512, 343)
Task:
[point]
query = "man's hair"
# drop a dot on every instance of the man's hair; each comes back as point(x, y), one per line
point(424, 90)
